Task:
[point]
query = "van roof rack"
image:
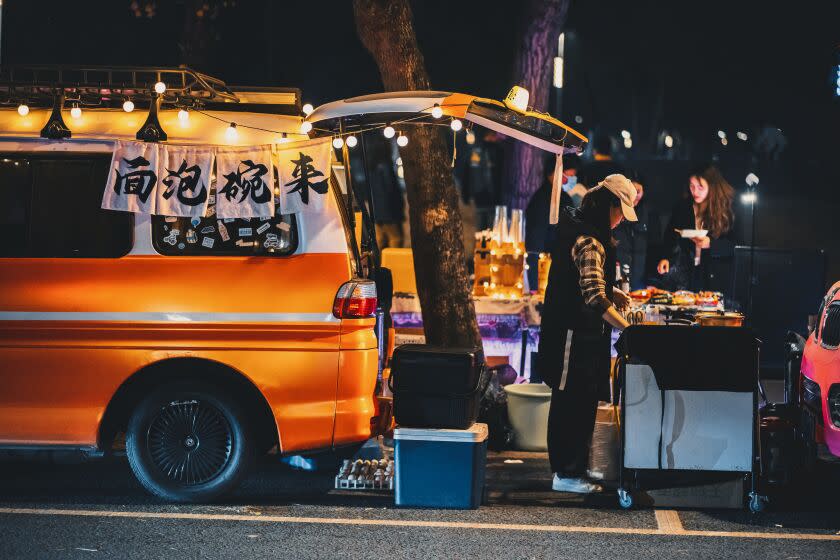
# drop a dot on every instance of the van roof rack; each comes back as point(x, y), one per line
point(60, 86)
point(100, 85)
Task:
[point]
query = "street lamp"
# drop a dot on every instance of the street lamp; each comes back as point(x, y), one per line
point(559, 61)
point(751, 197)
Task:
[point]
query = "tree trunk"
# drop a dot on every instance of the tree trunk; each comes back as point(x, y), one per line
point(386, 30)
point(533, 70)
point(197, 35)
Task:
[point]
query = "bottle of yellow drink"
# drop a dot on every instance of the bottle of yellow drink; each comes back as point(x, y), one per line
point(481, 261)
point(497, 252)
point(515, 255)
point(543, 266)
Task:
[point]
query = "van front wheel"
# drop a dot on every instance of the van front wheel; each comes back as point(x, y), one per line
point(188, 445)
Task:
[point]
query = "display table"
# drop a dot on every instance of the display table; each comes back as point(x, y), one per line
point(506, 326)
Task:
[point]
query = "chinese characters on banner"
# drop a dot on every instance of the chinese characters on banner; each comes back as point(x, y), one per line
point(133, 178)
point(303, 169)
point(244, 182)
point(184, 176)
point(173, 180)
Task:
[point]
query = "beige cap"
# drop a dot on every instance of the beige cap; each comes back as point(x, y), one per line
point(621, 187)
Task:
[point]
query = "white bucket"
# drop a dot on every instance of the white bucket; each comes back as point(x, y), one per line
point(528, 406)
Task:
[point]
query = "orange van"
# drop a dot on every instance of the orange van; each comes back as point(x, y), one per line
point(114, 323)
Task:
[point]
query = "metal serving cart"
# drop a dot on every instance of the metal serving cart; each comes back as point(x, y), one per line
point(689, 409)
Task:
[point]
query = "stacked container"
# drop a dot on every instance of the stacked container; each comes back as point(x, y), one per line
point(440, 451)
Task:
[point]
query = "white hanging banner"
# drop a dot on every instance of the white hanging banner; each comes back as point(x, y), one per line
point(133, 178)
point(244, 182)
point(303, 170)
point(184, 174)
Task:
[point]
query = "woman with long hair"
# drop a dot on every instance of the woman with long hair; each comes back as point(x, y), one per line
point(581, 305)
point(706, 206)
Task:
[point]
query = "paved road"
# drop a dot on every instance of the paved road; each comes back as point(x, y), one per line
point(98, 510)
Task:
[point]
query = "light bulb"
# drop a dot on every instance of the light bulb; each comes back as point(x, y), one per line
point(160, 87)
point(307, 109)
point(128, 105)
point(352, 141)
point(76, 112)
point(231, 134)
point(183, 115)
point(23, 109)
point(338, 143)
point(456, 125)
point(389, 131)
point(305, 127)
point(517, 99)
point(437, 112)
point(470, 137)
point(402, 140)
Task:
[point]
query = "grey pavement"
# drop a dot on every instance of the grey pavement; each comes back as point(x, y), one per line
point(282, 513)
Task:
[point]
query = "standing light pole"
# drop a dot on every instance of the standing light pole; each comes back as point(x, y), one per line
point(751, 197)
point(559, 62)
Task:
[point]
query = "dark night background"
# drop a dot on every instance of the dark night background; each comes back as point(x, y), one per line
point(690, 68)
point(721, 65)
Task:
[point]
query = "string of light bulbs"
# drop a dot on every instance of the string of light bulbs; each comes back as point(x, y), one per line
point(339, 139)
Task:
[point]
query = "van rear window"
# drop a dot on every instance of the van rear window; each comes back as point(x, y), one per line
point(50, 207)
point(275, 236)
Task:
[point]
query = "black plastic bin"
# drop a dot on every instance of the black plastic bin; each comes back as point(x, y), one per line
point(437, 387)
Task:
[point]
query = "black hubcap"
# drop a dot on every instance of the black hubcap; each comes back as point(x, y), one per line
point(190, 441)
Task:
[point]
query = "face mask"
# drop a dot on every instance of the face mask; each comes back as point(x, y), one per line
point(570, 183)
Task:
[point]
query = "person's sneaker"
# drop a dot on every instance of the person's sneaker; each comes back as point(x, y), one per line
point(575, 485)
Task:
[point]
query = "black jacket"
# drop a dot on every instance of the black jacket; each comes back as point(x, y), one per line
point(539, 234)
point(633, 241)
point(564, 308)
point(715, 261)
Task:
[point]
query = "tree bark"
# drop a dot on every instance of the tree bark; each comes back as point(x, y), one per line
point(386, 29)
point(198, 33)
point(533, 70)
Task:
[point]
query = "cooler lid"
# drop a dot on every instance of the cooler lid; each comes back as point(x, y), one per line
point(474, 434)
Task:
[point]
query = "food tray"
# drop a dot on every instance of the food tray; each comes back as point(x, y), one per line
point(365, 475)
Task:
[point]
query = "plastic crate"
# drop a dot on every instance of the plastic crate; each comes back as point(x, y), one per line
point(437, 387)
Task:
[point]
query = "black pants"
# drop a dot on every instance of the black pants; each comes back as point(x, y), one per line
point(571, 417)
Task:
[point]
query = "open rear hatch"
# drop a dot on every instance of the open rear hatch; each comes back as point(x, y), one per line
point(529, 126)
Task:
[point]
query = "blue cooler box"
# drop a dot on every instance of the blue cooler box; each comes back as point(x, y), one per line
point(440, 468)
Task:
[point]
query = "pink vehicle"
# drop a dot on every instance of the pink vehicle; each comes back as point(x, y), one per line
point(820, 380)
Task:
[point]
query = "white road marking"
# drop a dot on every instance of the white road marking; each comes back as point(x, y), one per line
point(669, 521)
point(419, 524)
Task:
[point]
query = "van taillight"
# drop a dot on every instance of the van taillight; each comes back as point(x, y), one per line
point(355, 299)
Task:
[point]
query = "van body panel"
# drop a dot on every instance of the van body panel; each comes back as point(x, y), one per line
point(294, 284)
point(358, 334)
point(74, 330)
point(355, 404)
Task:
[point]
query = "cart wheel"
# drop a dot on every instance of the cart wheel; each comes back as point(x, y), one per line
point(757, 502)
point(625, 499)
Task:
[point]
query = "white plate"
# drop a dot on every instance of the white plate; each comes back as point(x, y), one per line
point(692, 233)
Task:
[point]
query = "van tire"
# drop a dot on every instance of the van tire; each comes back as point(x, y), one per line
point(189, 442)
